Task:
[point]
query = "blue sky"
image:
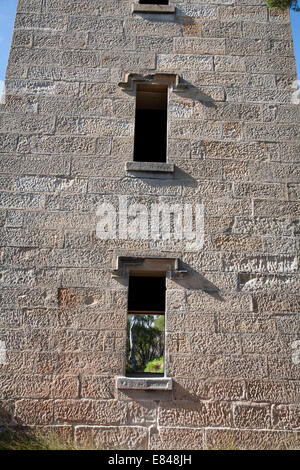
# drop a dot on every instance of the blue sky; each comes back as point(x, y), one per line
point(7, 15)
point(295, 20)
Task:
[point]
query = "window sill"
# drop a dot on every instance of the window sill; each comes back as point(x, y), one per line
point(153, 9)
point(151, 167)
point(143, 383)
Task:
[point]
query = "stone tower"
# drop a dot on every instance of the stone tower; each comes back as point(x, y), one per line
point(115, 112)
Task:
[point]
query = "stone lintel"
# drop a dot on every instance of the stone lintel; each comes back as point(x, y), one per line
point(125, 264)
point(170, 79)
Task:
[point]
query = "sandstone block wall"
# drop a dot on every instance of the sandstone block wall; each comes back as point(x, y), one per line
point(66, 133)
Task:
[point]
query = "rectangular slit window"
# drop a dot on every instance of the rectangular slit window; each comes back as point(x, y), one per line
point(150, 141)
point(146, 326)
point(154, 2)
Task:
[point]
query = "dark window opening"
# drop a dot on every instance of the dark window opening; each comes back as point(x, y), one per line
point(150, 141)
point(146, 326)
point(154, 2)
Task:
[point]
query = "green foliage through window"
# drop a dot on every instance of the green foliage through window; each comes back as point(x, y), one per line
point(145, 343)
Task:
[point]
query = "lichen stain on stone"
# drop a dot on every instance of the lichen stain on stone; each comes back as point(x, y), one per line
point(66, 298)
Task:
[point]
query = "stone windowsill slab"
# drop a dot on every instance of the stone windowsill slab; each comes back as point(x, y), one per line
point(152, 167)
point(144, 383)
point(137, 8)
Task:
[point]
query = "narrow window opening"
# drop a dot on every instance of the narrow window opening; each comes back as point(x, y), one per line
point(154, 2)
point(150, 142)
point(146, 326)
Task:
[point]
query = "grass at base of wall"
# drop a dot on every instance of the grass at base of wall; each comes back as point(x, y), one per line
point(12, 440)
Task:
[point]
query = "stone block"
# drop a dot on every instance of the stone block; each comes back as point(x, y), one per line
point(281, 208)
point(113, 437)
point(10, 318)
point(260, 263)
point(245, 47)
point(178, 342)
point(34, 20)
point(195, 415)
point(8, 143)
point(255, 14)
point(105, 127)
point(253, 366)
point(237, 243)
point(278, 303)
point(189, 321)
point(142, 413)
point(215, 343)
point(266, 31)
point(94, 23)
point(97, 387)
point(216, 390)
point(28, 411)
point(197, 11)
point(199, 46)
point(7, 412)
point(33, 6)
point(275, 391)
point(229, 112)
point(204, 170)
point(271, 283)
point(100, 412)
point(259, 190)
point(137, 61)
point(26, 124)
point(178, 62)
point(288, 323)
point(283, 367)
point(221, 29)
point(230, 64)
point(16, 237)
point(217, 302)
point(251, 439)
point(189, 366)
point(252, 416)
point(176, 439)
point(73, 7)
point(286, 417)
point(86, 362)
point(269, 64)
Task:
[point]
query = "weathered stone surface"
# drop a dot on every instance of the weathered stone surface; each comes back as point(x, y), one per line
point(195, 414)
point(252, 416)
point(196, 390)
point(67, 135)
point(251, 439)
point(114, 437)
point(260, 263)
point(32, 411)
point(176, 439)
point(276, 304)
point(39, 386)
point(253, 366)
point(286, 417)
point(273, 391)
point(97, 387)
point(195, 367)
point(99, 412)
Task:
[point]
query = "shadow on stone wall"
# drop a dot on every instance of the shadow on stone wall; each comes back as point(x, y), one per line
point(196, 281)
